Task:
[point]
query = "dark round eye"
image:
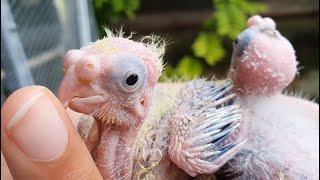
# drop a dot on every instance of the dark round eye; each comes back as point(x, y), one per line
point(236, 41)
point(132, 79)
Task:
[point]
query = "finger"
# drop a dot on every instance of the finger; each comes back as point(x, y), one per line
point(39, 141)
point(5, 173)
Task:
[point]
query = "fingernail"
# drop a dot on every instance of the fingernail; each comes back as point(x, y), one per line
point(38, 129)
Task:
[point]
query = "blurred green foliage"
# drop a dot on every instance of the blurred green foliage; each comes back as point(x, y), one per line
point(227, 21)
point(109, 11)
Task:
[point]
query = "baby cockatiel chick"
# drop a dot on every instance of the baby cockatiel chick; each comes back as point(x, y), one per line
point(282, 132)
point(113, 80)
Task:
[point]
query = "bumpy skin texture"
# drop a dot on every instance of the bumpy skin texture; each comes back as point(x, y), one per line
point(263, 61)
point(113, 80)
point(282, 131)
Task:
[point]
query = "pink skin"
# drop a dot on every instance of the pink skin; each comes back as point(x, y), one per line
point(94, 85)
point(282, 131)
point(263, 64)
point(268, 63)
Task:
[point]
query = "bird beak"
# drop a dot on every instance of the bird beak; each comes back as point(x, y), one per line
point(68, 87)
point(78, 95)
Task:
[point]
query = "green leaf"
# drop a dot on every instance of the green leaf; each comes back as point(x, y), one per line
point(189, 67)
point(250, 8)
point(210, 23)
point(223, 20)
point(118, 5)
point(133, 4)
point(228, 20)
point(238, 21)
point(110, 11)
point(209, 47)
point(98, 3)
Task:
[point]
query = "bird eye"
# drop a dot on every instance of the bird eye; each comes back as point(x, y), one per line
point(130, 73)
point(132, 79)
point(236, 41)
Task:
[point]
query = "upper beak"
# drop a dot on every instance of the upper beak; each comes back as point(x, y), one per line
point(68, 88)
point(78, 95)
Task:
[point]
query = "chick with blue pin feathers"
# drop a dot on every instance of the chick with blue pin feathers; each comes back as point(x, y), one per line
point(241, 128)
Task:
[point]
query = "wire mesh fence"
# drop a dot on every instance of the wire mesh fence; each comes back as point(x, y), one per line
point(46, 30)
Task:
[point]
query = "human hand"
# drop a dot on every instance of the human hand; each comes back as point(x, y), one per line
point(39, 141)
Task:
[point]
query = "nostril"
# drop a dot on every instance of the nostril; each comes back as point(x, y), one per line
point(142, 103)
point(87, 68)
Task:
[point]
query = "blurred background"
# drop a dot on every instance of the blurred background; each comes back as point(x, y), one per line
point(35, 34)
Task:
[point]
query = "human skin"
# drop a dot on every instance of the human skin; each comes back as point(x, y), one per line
point(262, 102)
point(21, 167)
point(74, 162)
point(41, 142)
point(16, 164)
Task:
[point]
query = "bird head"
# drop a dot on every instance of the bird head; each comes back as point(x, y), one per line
point(113, 78)
point(263, 61)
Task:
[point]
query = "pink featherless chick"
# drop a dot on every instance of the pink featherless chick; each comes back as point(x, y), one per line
point(135, 134)
point(142, 130)
point(153, 131)
point(282, 132)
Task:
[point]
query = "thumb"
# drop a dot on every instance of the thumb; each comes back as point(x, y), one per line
point(39, 141)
